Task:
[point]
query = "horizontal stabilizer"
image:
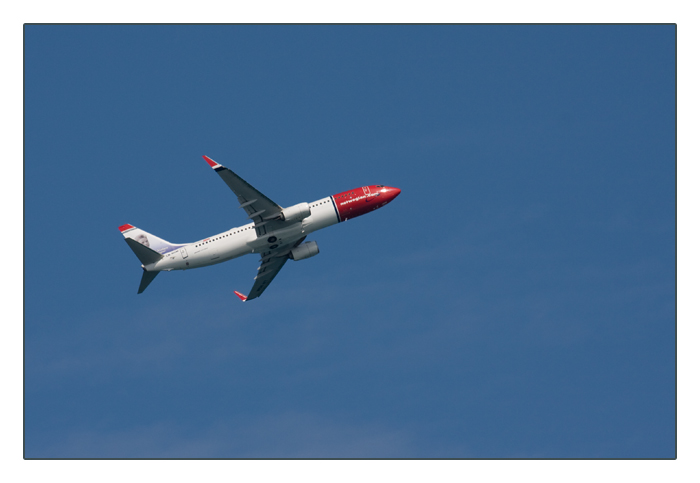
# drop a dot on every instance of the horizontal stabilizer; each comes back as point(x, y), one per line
point(145, 254)
point(146, 279)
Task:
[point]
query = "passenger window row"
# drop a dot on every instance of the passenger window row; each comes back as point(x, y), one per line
point(222, 236)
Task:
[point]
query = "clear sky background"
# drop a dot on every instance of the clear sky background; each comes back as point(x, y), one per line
point(516, 300)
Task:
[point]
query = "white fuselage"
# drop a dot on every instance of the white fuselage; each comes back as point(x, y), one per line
point(242, 240)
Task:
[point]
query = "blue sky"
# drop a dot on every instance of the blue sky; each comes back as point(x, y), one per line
point(516, 300)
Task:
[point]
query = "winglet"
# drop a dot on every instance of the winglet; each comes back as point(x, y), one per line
point(241, 296)
point(211, 162)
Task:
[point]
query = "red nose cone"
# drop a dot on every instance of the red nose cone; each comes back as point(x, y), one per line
point(393, 192)
point(353, 203)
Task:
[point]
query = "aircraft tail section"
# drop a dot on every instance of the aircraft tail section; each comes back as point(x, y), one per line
point(146, 279)
point(156, 244)
point(145, 254)
point(147, 248)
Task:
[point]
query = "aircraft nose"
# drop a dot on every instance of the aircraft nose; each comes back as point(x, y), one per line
point(393, 192)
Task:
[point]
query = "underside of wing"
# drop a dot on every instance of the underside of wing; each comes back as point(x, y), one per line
point(271, 262)
point(265, 275)
point(260, 209)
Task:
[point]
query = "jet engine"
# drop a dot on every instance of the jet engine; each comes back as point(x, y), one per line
point(305, 250)
point(296, 212)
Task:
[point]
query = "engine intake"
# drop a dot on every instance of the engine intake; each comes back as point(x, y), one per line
point(305, 250)
point(296, 212)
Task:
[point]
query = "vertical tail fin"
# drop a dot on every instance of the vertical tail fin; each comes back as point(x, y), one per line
point(146, 239)
point(148, 248)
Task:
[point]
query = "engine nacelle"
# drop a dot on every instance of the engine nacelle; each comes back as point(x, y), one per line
point(296, 212)
point(305, 250)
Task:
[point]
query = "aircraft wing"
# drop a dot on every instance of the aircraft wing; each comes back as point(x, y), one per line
point(271, 262)
point(260, 209)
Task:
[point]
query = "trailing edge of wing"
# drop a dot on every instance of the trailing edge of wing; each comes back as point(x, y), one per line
point(265, 275)
point(250, 199)
point(271, 262)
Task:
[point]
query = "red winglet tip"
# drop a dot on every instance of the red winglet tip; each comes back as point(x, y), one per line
point(241, 296)
point(210, 161)
point(123, 228)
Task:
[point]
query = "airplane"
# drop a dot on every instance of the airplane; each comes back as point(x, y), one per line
point(277, 234)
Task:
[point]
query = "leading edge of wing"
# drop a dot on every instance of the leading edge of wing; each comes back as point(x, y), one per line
point(265, 277)
point(242, 188)
point(271, 262)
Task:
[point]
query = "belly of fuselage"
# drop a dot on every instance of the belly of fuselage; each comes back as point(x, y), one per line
point(242, 241)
